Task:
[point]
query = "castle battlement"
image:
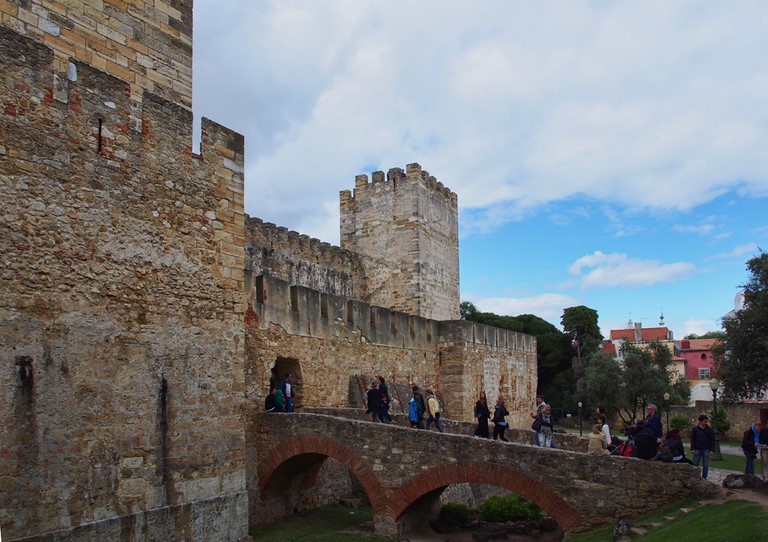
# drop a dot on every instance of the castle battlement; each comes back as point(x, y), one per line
point(395, 174)
point(311, 313)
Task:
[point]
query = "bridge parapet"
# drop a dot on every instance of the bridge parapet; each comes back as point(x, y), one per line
point(401, 468)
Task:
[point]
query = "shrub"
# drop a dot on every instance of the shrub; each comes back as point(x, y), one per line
point(721, 418)
point(509, 508)
point(454, 515)
point(680, 422)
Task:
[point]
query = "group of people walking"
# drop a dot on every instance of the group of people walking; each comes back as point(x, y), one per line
point(378, 401)
point(499, 418)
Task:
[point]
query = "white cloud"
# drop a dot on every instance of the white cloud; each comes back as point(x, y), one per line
point(745, 251)
point(701, 229)
point(600, 270)
point(653, 105)
point(697, 326)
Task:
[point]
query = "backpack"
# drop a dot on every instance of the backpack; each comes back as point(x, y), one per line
point(665, 453)
point(413, 411)
point(625, 449)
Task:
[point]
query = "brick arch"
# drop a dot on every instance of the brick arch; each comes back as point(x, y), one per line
point(485, 473)
point(316, 448)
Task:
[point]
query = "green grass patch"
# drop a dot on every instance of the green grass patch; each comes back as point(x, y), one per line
point(734, 463)
point(733, 521)
point(326, 524)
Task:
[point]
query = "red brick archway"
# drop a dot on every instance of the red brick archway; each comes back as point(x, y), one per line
point(484, 473)
point(307, 452)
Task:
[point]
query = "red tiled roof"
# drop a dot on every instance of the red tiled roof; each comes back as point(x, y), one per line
point(698, 344)
point(649, 334)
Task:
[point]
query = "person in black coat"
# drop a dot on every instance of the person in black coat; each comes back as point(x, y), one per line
point(749, 443)
point(482, 414)
point(646, 446)
point(674, 443)
point(499, 420)
point(373, 400)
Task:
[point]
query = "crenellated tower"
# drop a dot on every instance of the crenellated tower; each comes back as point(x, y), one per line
point(409, 222)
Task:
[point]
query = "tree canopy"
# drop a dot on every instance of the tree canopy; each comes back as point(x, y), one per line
point(581, 324)
point(628, 387)
point(741, 358)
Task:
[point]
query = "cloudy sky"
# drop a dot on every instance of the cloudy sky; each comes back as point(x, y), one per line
point(608, 154)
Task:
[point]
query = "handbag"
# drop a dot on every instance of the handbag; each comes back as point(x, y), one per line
point(536, 425)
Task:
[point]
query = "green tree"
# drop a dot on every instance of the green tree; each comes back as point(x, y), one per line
point(602, 382)
point(741, 359)
point(707, 335)
point(647, 377)
point(627, 387)
point(581, 324)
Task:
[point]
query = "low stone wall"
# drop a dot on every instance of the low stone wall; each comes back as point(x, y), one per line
point(564, 441)
point(741, 415)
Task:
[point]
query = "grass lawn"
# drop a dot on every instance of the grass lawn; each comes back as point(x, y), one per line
point(733, 521)
point(735, 463)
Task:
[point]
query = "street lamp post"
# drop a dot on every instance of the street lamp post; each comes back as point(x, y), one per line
point(666, 408)
point(714, 384)
point(579, 413)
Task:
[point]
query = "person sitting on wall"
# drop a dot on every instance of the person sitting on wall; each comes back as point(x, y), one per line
point(286, 386)
point(270, 403)
point(597, 444)
point(605, 431)
point(373, 400)
point(674, 443)
point(646, 445)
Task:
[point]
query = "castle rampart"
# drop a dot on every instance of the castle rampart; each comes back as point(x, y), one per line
point(330, 337)
point(304, 261)
point(121, 328)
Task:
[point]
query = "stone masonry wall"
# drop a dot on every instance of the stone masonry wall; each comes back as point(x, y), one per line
point(410, 222)
point(304, 261)
point(326, 339)
point(121, 335)
point(146, 43)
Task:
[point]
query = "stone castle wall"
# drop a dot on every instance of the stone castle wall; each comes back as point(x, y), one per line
point(410, 223)
point(121, 334)
point(324, 339)
point(304, 261)
point(146, 43)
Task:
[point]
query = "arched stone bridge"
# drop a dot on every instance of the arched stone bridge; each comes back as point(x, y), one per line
point(404, 470)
